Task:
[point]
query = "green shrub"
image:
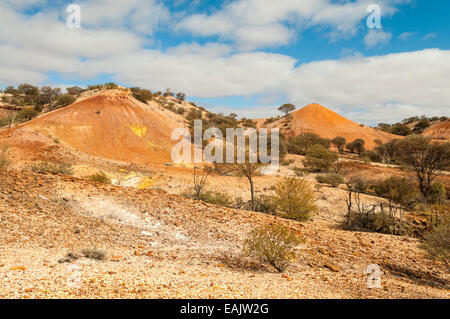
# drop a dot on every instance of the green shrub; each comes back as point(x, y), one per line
point(216, 198)
point(142, 94)
point(397, 189)
point(27, 114)
point(272, 244)
point(300, 172)
point(358, 183)
point(52, 168)
point(437, 193)
point(181, 110)
point(318, 158)
point(332, 179)
point(296, 197)
point(374, 156)
point(437, 242)
point(64, 100)
point(100, 177)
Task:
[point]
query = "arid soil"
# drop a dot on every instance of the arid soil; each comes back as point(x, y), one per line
point(166, 246)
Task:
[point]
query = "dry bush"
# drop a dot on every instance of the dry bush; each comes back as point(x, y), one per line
point(52, 168)
point(100, 177)
point(272, 244)
point(331, 179)
point(296, 197)
point(216, 198)
point(95, 253)
point(397, 189)
point(4, 161)
point(437, 241)
point(379, 218)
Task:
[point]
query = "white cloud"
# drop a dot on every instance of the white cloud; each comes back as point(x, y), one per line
point(376, 37)
point(142, 16)
point(253, 24)
point(405, 35)
point(429, 36)
point(377, 84)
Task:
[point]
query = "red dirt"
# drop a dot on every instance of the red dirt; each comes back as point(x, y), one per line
point(317, 119)
point(111, 124)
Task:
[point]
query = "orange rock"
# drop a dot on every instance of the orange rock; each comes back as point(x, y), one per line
point(149, 254)
point(116, 258)
point(137, 253)
point(17, 268)
point(286, 277)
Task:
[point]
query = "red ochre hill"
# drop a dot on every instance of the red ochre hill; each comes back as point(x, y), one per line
point(317, 119)
point(110, 124)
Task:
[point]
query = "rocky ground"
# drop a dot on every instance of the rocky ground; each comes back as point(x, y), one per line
point(162, 245)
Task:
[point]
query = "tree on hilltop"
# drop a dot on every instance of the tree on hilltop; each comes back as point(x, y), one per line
point(287, 108)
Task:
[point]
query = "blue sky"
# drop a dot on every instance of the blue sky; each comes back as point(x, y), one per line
point(243, 56)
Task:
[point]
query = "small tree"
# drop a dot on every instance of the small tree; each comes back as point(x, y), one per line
point(199, 183)
point(425, 158)
point(63, 100)
point(181, 96)
point(295, 196)
point(287, 108)
point(339, 142)
point(397, 189)
point(303, 142)
point(272, 244)
point(359, 146)
point(318, 158)
point(10, 118)
point(75, 90)
point(249, 171)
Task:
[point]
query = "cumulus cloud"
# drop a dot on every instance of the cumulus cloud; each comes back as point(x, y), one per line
point(375, 84)
point(253, 24)
point(405, 35)
point(375, 37)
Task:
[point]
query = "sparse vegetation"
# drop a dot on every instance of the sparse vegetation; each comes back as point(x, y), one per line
point(272, 244)
point(305, 141)
point(380, 218)
point(296, 198)
point(339, 142)
point(437, 241)
point(52, 168)
point(100, 177)
point(397, 189)
point(426, 158)
point(331, 179)
point(142, 95)
point(319, 159)
point(95, 253)
point(4, 161)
